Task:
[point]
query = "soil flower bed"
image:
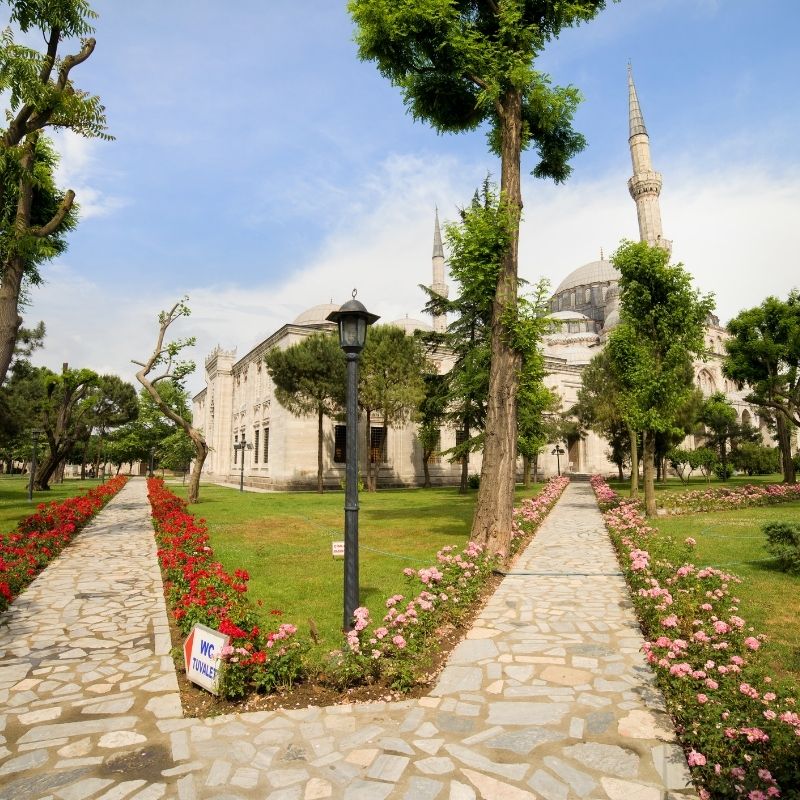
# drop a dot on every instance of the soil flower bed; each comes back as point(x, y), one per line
point(394, 651)
point(741, 733)
point(723, 498)
point(39, 538)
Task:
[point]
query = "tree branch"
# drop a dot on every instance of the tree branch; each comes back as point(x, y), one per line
point(53, 225)
point(50, 57)
point(73, 61)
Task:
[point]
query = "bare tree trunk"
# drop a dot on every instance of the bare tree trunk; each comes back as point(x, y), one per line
point(426, 470)
point(785, 447)
point(526, 472)
point(648, 448)
point(632, 434)
point(166, 354)
point(320, 414)
point(463, 486)
point(536, 468)
point(10, 318)
point(495, 504)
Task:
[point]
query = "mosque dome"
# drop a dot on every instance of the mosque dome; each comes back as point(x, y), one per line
point(594, 272)
point(316, 314)
point(567, 315)
point(409, 325)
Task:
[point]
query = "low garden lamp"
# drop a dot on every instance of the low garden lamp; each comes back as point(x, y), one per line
point(353, 320)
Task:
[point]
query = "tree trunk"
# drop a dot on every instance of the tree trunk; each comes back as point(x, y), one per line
point(619, 471)
point(426, 471)
point(319, 450)
point(634, 437)
point(495, 504)
point(463, 486)
point(10, 318)
point(370, 478)
point(723, 453)
point(526, 472)
point(648, 448)
point(83, 460)
point(201, 449)
point(536, 468)
point(785, 447)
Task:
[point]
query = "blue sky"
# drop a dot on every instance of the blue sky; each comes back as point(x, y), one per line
point(260, 168)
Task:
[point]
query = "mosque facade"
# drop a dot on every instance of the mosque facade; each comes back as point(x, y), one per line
point(238, 405)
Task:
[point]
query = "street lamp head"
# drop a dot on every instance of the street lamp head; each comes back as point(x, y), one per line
point(353, 320)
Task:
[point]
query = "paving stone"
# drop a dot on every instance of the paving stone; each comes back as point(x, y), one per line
point(580, 782)
point(547, 786)
point(467, 756)
point(523, 742)
point(387, 768)
point(607, 758)
point(599, 722)
point(25, 762)
point(497, 790)
point(423, 789)
point(460, 791)
point(523, 713)
point(670, 762)
point(618, 789)
point(317, 789)
point(435, 765)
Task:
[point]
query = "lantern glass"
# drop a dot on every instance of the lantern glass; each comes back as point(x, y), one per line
point(352, 331)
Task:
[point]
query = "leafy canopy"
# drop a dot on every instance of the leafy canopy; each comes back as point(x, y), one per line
point(457, 62)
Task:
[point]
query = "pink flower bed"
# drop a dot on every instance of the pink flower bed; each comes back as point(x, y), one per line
point(724, 498)
point(741, 734)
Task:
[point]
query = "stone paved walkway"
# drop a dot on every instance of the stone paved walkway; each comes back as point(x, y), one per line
point(547, 697)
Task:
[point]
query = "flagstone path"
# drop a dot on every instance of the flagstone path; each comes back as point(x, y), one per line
point(547, 697)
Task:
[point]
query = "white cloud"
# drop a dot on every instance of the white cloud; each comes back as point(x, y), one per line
point(733, 230)
point(78, 170)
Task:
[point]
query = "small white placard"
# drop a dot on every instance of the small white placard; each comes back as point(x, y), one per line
point(202, 653)
point(337, 549)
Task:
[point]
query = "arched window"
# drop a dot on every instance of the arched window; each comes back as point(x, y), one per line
point(605, 293)
point(706, 382)
point(572, 299)
point(587, 295)
point(747, 418)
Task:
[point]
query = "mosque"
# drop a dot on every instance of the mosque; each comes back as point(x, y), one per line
point(238, 405)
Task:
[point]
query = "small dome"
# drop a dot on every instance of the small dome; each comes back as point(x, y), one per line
point(409, 325)
point(594, 272)
point(567, 315)
point(316, 314)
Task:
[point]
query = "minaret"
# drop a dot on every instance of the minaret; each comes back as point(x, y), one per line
point(645, 184)
point(438, 285)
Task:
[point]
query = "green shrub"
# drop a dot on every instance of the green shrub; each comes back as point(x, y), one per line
point(755, 459)
point(474, 481)
point(783, 541)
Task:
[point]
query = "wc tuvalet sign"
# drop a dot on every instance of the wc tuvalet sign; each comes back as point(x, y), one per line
point(202, 653)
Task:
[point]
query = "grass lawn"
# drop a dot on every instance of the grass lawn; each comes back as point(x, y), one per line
point(14, 504)
point(696, 482)
point(733, 541)
point(284, 541)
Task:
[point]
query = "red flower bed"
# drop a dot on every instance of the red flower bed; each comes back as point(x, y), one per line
point(200, 590)
point(38, 539)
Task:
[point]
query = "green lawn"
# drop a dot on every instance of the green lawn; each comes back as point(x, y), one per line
point(284, 541)
point(733, 541)
point(696, 482)
point(14, 504)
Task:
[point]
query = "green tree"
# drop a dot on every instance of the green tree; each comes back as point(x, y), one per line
point(535, 406)
point(165, 359)
point(763, 354)
point(723, 430)
point(461, 64)
point(69, 399)
point(391, 384)
point(600, 407)
point(754, 458)
point(652, 350)
point(40, 94)
point(431, 416)
point(310, 379)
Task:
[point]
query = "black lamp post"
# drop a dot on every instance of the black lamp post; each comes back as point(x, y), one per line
point(558, 452)
point(35, 444)
point(353, 320)
point(242, 446)
point(152, 461)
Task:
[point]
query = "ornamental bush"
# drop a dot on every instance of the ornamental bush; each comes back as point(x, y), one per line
point(783, 541)
point(38, 539)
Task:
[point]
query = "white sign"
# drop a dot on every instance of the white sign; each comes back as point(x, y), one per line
point(337, 549)
point(202, 653)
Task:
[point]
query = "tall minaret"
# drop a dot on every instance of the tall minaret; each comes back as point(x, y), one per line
point(645, 184)
point(438, 285)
